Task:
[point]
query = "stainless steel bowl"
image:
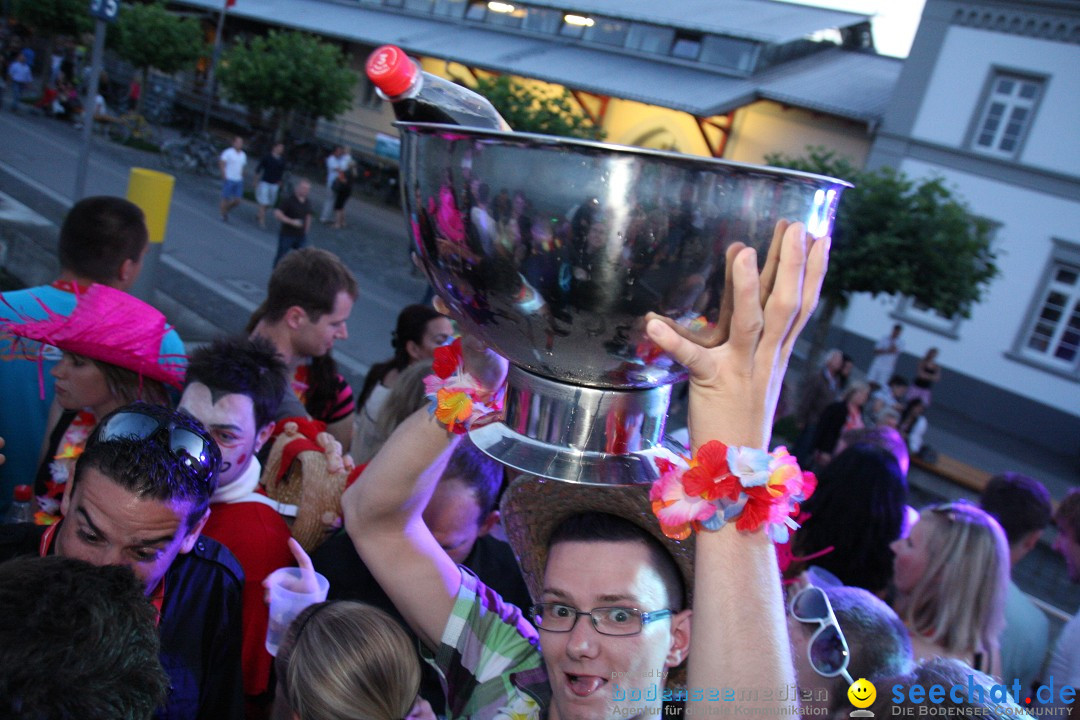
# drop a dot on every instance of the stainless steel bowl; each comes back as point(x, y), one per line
point(553, 250)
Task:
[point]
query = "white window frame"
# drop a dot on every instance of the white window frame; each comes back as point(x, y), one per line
point(1002, 99)
point(910, 311)
point(1064, 256)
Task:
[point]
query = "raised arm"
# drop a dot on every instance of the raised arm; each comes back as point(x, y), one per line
point(383, 512)
point(739, 632)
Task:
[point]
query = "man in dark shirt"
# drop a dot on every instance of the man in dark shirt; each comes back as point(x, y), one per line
point(139, 497)
point(461, 513)
point(268, 176)
point(295, 216)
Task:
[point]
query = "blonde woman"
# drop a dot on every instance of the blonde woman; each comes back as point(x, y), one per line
point(952, 575)
point(346, 661)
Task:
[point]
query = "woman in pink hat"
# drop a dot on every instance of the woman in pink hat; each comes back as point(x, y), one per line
point(114, 352)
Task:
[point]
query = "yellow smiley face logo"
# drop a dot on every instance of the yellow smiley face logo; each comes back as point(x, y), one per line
point(862, 693)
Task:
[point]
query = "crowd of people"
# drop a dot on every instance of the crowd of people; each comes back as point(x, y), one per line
point(457, 590)
point(834, 404)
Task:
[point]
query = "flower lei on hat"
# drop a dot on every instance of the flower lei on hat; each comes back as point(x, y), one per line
point(457, 398)
point(747, 486)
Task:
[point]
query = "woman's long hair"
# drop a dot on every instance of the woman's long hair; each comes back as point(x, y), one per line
point(348, 661)
point(959, 602)
point(857, 510)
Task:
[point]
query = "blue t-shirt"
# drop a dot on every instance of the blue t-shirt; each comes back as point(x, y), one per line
point(26, 387)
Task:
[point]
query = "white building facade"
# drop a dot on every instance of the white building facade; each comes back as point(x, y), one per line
point(989, 100)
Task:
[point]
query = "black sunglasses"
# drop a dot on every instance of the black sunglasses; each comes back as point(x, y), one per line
point(195, 452)
point(827, 649)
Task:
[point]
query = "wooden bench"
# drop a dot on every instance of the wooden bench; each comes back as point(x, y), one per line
point(955, 471)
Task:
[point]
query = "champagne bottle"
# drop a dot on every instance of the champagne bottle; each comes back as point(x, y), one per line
point(418, 96)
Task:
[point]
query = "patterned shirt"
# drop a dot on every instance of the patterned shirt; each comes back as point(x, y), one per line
point(489, 658)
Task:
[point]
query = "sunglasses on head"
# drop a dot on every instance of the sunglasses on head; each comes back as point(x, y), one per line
point(827, 649)
point(195, 452)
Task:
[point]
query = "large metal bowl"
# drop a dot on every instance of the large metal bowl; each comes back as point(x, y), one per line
point(553, 250)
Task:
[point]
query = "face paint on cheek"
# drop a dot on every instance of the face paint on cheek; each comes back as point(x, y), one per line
point(242, 459)
point(225, 466)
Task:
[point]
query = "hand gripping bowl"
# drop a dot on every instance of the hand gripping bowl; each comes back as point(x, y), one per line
point(553, 250)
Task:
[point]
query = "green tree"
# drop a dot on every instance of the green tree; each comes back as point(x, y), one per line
point(53, 18)
point(56, 17)
point(149, 36)
point(288, 71)
point(527, 110)
point(898, 236)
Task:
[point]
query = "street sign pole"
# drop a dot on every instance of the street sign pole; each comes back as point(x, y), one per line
point(104, 11)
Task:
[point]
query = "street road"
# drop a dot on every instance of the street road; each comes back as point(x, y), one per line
point(218, 271)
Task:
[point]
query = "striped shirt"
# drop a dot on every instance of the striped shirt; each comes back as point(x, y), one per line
point(489, 658)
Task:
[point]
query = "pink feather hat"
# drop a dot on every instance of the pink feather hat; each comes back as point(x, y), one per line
point(110, 326)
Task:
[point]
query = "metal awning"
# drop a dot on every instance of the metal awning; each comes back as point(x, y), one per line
point(849, 84)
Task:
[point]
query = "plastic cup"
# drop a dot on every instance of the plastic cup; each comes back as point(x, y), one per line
point(288, 597)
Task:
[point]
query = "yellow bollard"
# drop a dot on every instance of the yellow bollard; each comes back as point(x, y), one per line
point(152, 192)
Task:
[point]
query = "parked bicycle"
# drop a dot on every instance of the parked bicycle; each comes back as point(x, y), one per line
point(195, 153)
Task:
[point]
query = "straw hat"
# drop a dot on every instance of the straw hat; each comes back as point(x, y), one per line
point(110, 326)
point(311, 475)
point(533, 508)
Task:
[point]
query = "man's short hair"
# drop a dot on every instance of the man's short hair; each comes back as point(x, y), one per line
point(1067, 517)
point(76, 641)
point(478, 472)
point(309, 278)
point(593, 527)
point(1020, 503)
point(148, 469)
point(242, 366)
point(899, 380)
point(879, 641)
point(99, 234)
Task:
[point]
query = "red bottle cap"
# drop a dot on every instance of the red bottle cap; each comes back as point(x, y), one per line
point(23, 493)
point(391, 70)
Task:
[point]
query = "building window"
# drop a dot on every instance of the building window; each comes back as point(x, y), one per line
point(1052, 336)
point(542, 20)
point(1006, 114)
point(686, 46)
point(449, 8)
point(607, 31)
point(504, 13)
point(476, 11)
point(922, 315)
point(420, 6)
point(729, 52)
point(650, 38)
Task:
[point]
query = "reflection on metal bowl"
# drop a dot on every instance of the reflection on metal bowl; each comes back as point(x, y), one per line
point(553, 251)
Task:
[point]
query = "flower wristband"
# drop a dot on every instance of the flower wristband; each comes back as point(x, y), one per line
point(457, 399)
point(747, 486)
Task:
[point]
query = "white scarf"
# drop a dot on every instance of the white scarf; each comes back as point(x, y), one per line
point(240, 488)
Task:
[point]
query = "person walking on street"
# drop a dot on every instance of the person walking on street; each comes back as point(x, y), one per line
point(342, 188)
point(295, 217)
point(886, 352)
point(232, 162)
point(335, 162)
point(268, 176)
point(21, 77)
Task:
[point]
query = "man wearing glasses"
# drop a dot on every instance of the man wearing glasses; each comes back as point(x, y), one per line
point(839, 634)
point(139, 497)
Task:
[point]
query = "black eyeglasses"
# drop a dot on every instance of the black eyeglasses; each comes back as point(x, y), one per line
point(195, 452)
point(560, 618)
point(827, 649)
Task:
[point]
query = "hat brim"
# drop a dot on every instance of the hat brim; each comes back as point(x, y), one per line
point(532, 508)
